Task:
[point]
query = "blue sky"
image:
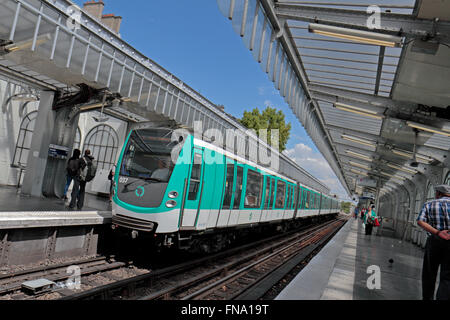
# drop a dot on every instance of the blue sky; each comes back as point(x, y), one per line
point(198, 45)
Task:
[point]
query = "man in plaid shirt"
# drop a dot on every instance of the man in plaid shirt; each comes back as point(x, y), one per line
point(435, 218)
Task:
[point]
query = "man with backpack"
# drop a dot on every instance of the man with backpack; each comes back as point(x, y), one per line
point(72, 170)
point(87, 169)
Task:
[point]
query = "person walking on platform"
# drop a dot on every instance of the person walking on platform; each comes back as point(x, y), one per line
point(112, 183)
point(72, 170)
point(369, 220)
point(87, 173)
point(434, 218)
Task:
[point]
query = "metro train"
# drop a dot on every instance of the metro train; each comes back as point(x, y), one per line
point(187, 193)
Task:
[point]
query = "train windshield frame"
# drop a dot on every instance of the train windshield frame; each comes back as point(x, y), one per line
point(148, 155)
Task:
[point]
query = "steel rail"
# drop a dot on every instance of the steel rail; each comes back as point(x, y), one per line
point(189, 283)
point(144, 281)
point(297, 246)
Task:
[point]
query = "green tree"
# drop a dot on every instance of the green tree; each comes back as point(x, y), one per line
point(345, 206)
point(270, 119)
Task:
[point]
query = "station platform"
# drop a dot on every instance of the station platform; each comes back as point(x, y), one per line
point(341, 269)
point(12, 201)
point(20, 212)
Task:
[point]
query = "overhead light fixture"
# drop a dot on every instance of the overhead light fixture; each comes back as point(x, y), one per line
point(359, 172)
point(375, 38)
point(409, 155)
point(359, 140)
point(358, 110)
point(27, 44)
point(424, 127)
point(91, 106)
point(394, 166)
point(25, 97)
point(386, 174)
point(358, 155)
point(359, 165)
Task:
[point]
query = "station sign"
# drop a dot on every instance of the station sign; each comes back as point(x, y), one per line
point(366, 182)
point(368, 195)
point(58, 152)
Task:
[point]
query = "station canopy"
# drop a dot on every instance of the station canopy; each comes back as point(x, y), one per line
point(54, 45)
point(370, 82)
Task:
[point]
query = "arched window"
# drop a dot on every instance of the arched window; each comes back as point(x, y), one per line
point(419, 203)
point(77, 141)
point(103, 142)
point(23, 144)
point(447, 179)
point(430, 192)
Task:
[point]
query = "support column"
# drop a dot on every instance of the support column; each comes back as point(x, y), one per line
point(64, 132)
point(38, 155)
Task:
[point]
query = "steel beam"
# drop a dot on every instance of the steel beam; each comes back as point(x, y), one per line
point(326, 93)
point(282, 32)
point(391, 23)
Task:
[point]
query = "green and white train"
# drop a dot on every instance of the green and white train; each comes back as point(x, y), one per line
point(187, 192)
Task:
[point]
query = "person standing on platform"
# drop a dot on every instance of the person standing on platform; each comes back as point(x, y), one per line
point(369, 220)
point(112, 183)
point(434, 218)
point(87, 174)
point(356, 212)
point(72, 170)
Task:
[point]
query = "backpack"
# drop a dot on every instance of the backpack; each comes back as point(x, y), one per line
point(72, 168)
point(89, 171)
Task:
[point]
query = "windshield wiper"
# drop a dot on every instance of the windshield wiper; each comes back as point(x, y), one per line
point(153, 179)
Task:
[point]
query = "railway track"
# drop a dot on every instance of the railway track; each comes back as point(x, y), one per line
point(11, 283)
point(209, 277)
point(230, 281)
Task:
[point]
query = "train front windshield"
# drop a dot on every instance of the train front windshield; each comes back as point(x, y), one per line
point(148, 155)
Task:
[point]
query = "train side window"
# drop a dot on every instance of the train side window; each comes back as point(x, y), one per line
point(294, 199)
point(281, 195)
point(272, 193)
point(288, 200)
point(238, 191)
point(267, 195)
point(195, 177)
point(291, 193)
point(253, 190)
point(300, 199)
point(308, 196)
point(228, 187)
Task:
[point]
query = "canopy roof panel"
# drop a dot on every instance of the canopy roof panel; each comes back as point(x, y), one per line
point(352, 82)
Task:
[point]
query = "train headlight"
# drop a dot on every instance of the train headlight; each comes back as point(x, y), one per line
point(173, 195)
point(171, 204)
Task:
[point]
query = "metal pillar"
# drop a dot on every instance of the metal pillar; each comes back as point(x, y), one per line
point(64, 132)
point(38, 155)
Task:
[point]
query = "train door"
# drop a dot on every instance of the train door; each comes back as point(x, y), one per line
point(236, 209)
point(321, 204)
point(227, 197)
point(194, 190)
point(298, 201)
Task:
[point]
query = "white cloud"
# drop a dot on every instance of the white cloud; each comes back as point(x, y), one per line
point(315, 164)
point(268, 103)
point(261, 91)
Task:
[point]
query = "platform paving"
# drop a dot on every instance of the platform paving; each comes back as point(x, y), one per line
point(11, 200)
point(340, 270)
